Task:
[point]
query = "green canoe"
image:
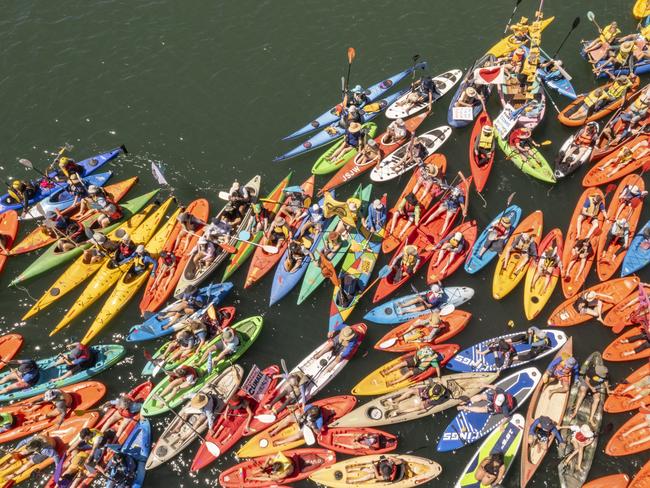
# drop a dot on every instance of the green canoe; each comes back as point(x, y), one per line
point(535, 166)
point(50, 259)
point(324, 166)
point(248, 330)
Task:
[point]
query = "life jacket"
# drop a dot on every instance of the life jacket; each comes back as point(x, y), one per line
point(640, 105)
point(621, 57)
point(125, 412)
point(584, 138)
point(510, 402)
point(281, 231)
point(126, 249)
point(408, 208)
point(591, 99)
point(69, 167)
point(500, 229)
point(433, 396)
point(139, 260)
point(593, 209)
point(486, 141)
point(609, 33)
point(17, 193)
point(409, 260)
point(393, 472)
point(617, 89)
point(432, 297)
point(169, 259)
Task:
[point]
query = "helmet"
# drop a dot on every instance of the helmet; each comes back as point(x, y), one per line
point(16, 184)
point(93, 189)
point(140, 249)
point(357, 89)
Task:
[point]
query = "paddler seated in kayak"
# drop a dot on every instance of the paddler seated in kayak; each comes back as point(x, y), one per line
point(376, 218)
point(497, 235)
point(496, 399)
point(350, 287)
point(502, 351)
point(579, 438)
point(86, 205)
point(605, 39)
point(59, 401)
point(77, 188)
point(203, 253)
point(618, 89)
point(126, 409)
point(189, 301)
point(520, 30)
point(94, 442)
point(314, 418)
point(593, 102)
point(386, 470)
point(184, 344)
point(121, 470)
point(181, 378)
point(356, 97)
point(485, 145)
point(422, 90)
point(395, 132)
point(415, 154)
point(521, 141)
point(548, 263)
point(635, 391)
point(451, 246)
point(350, 115)
point(408, 209)
point(624, 157)
point(617, 58)
point(405, 263)
point(29, 452)
point(276, 468)
point(262, 217)
point(417, 399)
point(141, 262)
point(641, 342)
point(629, 118)
point(450, 205)
point(541, 431)
point(68, 167)
point(227, 345)
point(239, 405)
point(591, 303)
point(592, 208)
point(525, 247)
point(595, 382)
point(297, 251)
point(290, 393)
point(368, 154)
point(189, 225)
point(414, 365)
point(433, 299)
point(533, 110)
point(279, 232)
point(212, 319)
point(332, 242)
point(619, 233)
point(630, 197)
point(491, 470)
point(296, 204)
point(584, 139)
point(68, 232)
point(108, 211)
point(427, 178)
point(581, 252)
point(202, 408)
point(468, 98)
point(167, 261)
point(78, 358)
point(20, 192)
point(24, 376)
point(342, 343)
point(354, 138)
point(239, 197)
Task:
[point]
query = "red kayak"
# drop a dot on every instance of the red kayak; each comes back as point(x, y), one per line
point(10, 344)
point(436, 272)
point(8, 230)
point(357, 441)
point(480, 173)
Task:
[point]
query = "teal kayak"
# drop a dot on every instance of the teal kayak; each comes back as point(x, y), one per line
point(325, 165)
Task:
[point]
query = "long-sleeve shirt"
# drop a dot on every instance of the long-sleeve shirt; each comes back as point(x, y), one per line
point(555, 363)
point(554, 432)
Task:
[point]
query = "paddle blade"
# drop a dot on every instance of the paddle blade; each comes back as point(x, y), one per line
point(308, 435)
point(244, 235)
point(576, 23)
point(447, 309)
point(270, 249)
point(228, 248)
point(546, 143)
point(351, 54)
point(223, 195)
point(385, 271)
point(591, 16)
point(266, 418)
point(158, 175)
point(26, 163)
point(213, 449)
point(510, 198)
point(388, 343)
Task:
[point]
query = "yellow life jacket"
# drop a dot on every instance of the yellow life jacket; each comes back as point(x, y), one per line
point(591, 99)
point(621, 57)
point(287, 465)
point(609, 33)
point(486, 141)
point(639, 105)
point(645, 32)
point(139, 261)
point(593, 208)
point(617, 89)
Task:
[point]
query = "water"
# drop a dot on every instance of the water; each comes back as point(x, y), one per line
point(209, 89)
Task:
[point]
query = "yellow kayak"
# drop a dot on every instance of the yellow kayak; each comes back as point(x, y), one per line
point(109, 274)
point(508, 44)
point(641, 9)
point(129, 285)
point(536, 297)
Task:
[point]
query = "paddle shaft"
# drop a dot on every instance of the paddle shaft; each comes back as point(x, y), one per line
point(191, 427)
point(575, 24)
point(514, 11)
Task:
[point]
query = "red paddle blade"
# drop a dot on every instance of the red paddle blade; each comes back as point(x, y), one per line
point(351, 54)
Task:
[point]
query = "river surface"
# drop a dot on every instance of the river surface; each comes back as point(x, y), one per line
point(208, 89)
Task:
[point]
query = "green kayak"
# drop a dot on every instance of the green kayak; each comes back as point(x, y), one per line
point(248, 330)
point(535, 166)
point(50, 259)
point(313, 276)
point(324, 165)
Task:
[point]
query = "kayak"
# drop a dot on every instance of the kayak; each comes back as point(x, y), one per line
point(345, 474)
point(397, 232)
point(566, 313)
point(546, 400)
point(572, 156)
point(620, 400)
point(612, 481)
point(267, 442)
point(138, 446)
point(410, 336)
point(573, 281)
point(29, 419)
point(390, 312)
point(437, 273)
point(179, 434)
point(505, 277)
point(536, 165)
point(10, 344)
point(354, 168)
point(574, 476)
point(372, 93)
point(342, 439)
point(9, 231)
point(512, 101)
point(641, 9)
point(105, 357)
point(536, 297)
point(109, 273)
point(155, 296)
point(262, 262)
point(474, 263)
point(608, 170)
point(378, 412)
point(625, 441)
point(379, 383)
point(615, 350)
point(485, 61)
point(480, 172)
point(393, 166)
point(624, 312)
point(52, 258)
point(638, 254)
point(472, 359)
point(308, 460)
point(444, 82)
point(324, 164)
point(38, 238)
point(247, 330)
point(557, 79)
point(642, 477)
point(505, 440)
point(508, 44)
point(154, 327)
point(469, 427)
point(191, 275)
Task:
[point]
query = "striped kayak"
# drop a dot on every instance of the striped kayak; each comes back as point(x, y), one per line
point(638, 255)
point(324, 165)
point(536, 166)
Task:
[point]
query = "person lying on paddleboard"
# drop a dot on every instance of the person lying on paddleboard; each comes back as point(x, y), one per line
point(415, 154)
point(502, 351)
point(414, 365)
point(342, 342)
point(491, 470)
point(496, 399)
point(564, 371)
point(417, 399)
point(422, 90)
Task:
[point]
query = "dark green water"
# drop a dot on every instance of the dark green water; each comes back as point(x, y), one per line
point(209, 89)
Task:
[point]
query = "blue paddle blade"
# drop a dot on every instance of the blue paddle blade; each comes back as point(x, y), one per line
point(292, 189)
point(244, 235)
point(385, 271)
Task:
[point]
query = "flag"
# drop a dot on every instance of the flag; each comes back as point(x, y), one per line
point(157, 174)
point(493, 75)
point(328, 271)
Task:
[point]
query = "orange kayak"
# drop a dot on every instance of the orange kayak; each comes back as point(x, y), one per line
point(435, 272)
point(608, 170)
point(536, 297)
point(642, 478)
point(623, 313)
point(154, 298)
point(566, 314)
point(611, 481)
point(573, 281)
point(9, 230)
point(619, 401)
point(10, 344)
point(408, 336)
point(624, 442)
point(344, 440)
point(614, 352)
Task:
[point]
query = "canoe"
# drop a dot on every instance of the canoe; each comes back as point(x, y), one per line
point(376, 413)
point(38, 238)
point(262, 262)
point(469, 427)
point(619, 401)
point(444, 82)
point(248, 331)
point(469, 360)
point(377, 383)
point(549, 401)
point(504, 279)
point(324, 165)
point(508, 44)
point(392, 166)
point(108, 273)
point(308, 459)
point(637, 256)
point(536, 166)
point(485, 61)
point(474, 263)
point(338, 439)
point(390, 312)
point(572, 282)
point(641, 479)
point(179, 434)
point(138, 446)
point(566, 314)
point(480, 173)
point(265, 442)
point(408, 336)
point(612, 481)
point(105, 357)
point(614, 351)
point(536, 297)
point(8, 230)
point(154, 298)
point(352, 169)
point(344, 474)
point(10, 344)
point(505, 440)
point(566, 165)
point(608, 260)
point(153, 327)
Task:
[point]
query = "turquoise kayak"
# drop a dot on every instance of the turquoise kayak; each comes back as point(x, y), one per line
point(637, 257)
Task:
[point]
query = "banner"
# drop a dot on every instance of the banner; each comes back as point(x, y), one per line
point(493, 75)
point(462, 113)
point(256, 384)
point(506, 121)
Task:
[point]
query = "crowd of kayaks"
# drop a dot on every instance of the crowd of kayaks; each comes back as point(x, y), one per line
point(287, 233)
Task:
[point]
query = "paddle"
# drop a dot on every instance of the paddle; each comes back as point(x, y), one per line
point(351, 55)
point(576, 23)
point(548, 95)
point(307, 433)
point(445, 310)
point(245, 235)
point(514, 11)
point(28, 164)
point(592, 18)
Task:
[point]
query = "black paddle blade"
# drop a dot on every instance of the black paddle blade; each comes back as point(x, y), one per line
point(415, 58)
point(123, 148)
point(576, 23)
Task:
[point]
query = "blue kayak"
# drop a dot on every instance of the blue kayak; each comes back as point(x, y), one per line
point(372, 93)
point(50, 188)
point(469, 427)
point(556, 80)
point(391, 312)
point(473, 264)
point(636, 257)
point(483, 90)
point(334, 131)
point(137, 446)
point(105, 357)
point(470, 361)
point(152, 328)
